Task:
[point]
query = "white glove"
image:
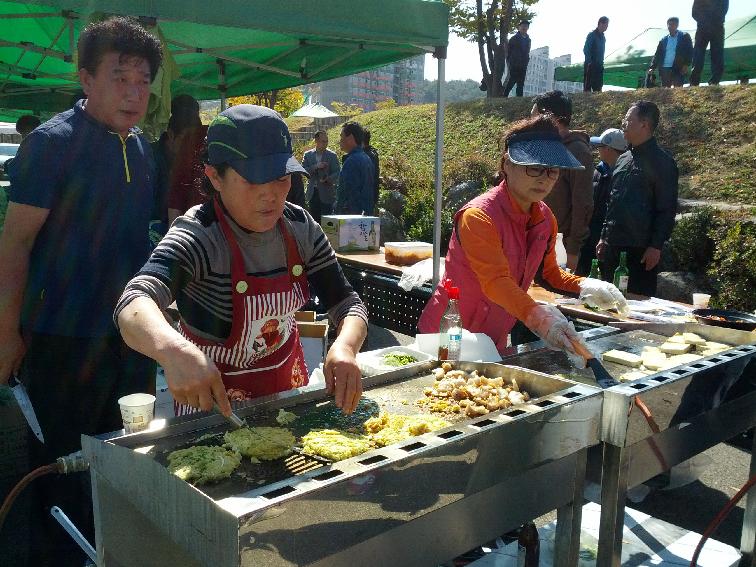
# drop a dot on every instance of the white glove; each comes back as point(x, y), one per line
point(553, 328)
point(602, 295)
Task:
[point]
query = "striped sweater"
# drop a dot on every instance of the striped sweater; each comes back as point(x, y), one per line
point(192, 265)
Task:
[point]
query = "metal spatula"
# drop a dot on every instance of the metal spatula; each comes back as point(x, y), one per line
point(233, 419)
point(603, 378)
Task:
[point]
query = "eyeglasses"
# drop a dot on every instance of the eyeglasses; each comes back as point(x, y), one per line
point(537, 171)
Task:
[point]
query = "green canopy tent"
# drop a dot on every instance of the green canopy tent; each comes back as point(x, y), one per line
point(229, 48)
point(626, 66)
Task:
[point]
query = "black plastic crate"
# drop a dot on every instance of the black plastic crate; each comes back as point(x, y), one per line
point(391, 307)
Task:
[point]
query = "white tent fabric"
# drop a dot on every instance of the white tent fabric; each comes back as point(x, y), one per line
point(314, 110)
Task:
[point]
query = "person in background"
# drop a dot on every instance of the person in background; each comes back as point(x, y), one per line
point(76, 230)
point(673, 55)
point(26, 124)
point(593, 68)
point(239, 267)
point(640, 215)
point(296, 194)
point(323, 167)
point(518, 56)
point(505, 238)
point(354, 195)
point(571, 201)
point(187, 168)
point(710, 17)
point(373, 155)
point(611, 144)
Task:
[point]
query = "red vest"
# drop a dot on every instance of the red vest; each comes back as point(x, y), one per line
point(524, 248)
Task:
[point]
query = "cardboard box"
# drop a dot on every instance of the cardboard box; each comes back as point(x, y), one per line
point(349, 233)
point(314, 337)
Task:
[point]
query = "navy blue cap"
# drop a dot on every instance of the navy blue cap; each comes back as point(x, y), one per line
point(255, 141)
point(541, 148)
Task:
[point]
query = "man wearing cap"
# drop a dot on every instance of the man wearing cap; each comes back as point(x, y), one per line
point(239, 266)
point(593, 67)
point(611, 144)
point(640, 215)
point(673, 55)
point(571, 201)
point(505, 239)
point(355, 193)
point(518, 56)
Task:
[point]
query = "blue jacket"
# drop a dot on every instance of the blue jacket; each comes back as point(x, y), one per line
point(683, 53)
point(595, 45)
point(354, 195)
point(518, 54)
point(326, 187)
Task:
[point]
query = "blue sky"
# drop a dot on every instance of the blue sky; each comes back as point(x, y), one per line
point(563, 28)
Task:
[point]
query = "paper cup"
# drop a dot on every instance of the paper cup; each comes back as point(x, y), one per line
point(137, 411)
point(701, 300)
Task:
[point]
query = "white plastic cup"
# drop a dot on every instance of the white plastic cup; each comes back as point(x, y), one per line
point(137, 411)
point(701, 300)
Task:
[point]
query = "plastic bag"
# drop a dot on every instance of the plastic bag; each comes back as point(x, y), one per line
point(417, 274)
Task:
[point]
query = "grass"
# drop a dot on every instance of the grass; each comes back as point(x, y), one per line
point(710, 131)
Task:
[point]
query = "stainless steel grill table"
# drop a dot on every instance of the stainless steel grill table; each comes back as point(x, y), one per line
point(418, 502)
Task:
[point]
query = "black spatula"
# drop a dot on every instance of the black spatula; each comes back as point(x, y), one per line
point(603, 378)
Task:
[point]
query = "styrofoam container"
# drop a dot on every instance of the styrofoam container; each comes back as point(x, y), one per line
point(372, 362)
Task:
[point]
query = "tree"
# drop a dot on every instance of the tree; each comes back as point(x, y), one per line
point(385, 104)
point(490, 29)
point(284, 101)
point(345, 109)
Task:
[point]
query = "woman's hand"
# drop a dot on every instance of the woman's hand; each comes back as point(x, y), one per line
point(193, 378)
point(343, 376)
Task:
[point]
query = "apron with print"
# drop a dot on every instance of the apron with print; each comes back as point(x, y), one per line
point(263, 354)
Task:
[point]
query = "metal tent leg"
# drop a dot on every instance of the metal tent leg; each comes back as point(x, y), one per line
point(613, 492)
point(748, 535)
point(569, 519)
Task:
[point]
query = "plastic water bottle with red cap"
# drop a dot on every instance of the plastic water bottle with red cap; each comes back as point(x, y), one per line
point(450, 330)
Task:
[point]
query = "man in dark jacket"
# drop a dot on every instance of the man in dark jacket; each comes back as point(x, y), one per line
point(593, 68)
point(611, 145)
point(571, 199)
point(518, 56)
point(642, 202)
point(673, 55)
point(710, 17)
point(372, 153)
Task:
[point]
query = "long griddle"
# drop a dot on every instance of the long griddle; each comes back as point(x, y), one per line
point(398, 505)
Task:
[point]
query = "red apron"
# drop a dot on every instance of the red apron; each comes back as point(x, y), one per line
point(263, 354)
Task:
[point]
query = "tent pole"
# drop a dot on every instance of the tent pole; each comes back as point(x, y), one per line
point(222, 82)
point(439, 166)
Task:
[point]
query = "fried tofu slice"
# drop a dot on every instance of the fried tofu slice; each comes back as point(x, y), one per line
point(675, 348)
point(622, 357)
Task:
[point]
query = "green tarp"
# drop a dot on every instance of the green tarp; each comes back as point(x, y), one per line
point(627, 66)
point(235, 46)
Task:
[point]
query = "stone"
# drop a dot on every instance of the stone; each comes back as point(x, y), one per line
point(680, 286)
point(460, 194)
point(391, 228)
point(394, 202)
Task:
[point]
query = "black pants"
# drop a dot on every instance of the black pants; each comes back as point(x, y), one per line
point(74, 385)
point(593, 78)
point(706, 35)
point(318, 208)
point(641, 281)
point(587, 254)
point(671, 77)
point(516, 77)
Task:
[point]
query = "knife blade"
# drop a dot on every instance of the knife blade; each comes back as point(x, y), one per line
point(23, 401)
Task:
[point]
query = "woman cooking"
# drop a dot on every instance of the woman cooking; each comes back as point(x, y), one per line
point(504, 238)
point(238, 268)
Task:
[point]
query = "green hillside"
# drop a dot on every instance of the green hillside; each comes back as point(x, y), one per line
point(710, 131)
